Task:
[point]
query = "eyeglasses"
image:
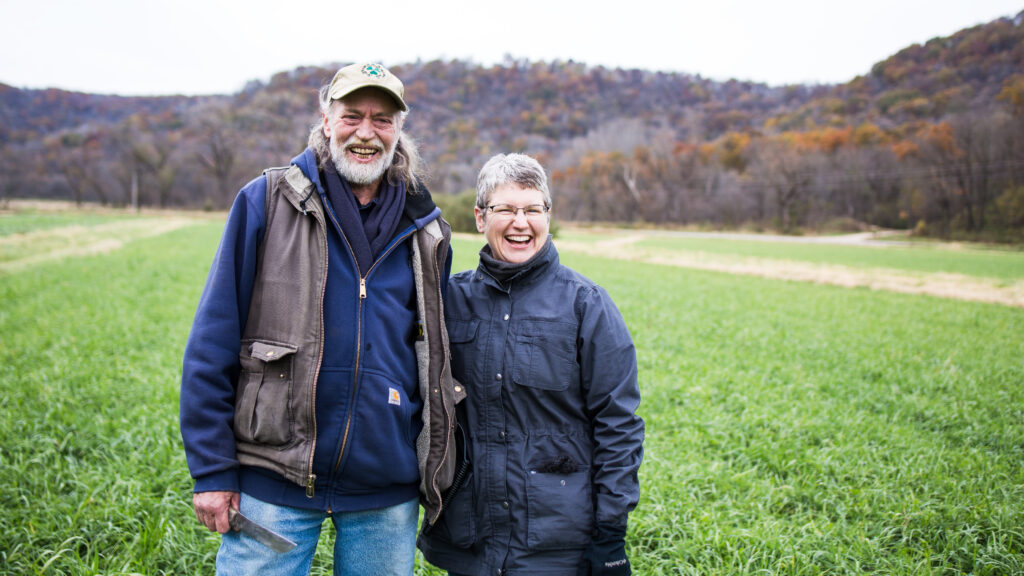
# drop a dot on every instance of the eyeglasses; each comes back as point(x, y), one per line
point(509, 212)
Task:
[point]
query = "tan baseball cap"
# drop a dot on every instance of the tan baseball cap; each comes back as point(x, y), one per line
point(367, 75)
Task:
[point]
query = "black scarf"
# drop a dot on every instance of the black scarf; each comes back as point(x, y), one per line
point(503, 271)
point(368, 238)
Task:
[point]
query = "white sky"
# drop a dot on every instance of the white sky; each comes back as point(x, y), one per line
point(143, 47)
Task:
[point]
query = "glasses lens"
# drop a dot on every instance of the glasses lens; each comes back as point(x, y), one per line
point(509, 211)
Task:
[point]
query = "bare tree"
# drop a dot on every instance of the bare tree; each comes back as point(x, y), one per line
point(788, 173)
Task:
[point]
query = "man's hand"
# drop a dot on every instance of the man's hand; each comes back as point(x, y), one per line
point(606, 555)
point(212, 509)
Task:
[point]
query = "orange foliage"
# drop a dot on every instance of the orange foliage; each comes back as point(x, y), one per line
point(904, 149)
point(1013, 94)
point(867, 134)
point(940, 136)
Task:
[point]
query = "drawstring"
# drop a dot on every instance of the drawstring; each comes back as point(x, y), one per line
point(302, 203)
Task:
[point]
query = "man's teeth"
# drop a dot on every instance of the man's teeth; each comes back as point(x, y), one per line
point(363, 151)
point(518, 238)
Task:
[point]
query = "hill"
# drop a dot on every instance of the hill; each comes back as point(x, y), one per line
point(900, 146)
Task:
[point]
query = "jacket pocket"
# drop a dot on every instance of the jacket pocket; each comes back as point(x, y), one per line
point(462, 340)
point(545, 355)
point(559, 510)
point(263, 412)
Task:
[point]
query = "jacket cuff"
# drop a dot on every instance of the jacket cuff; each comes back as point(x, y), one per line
point(226, 481)
point(609, 532)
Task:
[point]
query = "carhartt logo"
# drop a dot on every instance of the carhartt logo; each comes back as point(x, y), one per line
point(394, 397)
point(375, 70)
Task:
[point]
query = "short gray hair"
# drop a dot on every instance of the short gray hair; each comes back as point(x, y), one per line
point(511, 169)
point(407, 164)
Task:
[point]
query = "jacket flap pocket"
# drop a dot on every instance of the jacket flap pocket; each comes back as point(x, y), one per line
point(461, 330)
point(270, 352)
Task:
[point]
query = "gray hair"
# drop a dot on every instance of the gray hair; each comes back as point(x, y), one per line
point(518, 169)
point(407, 165)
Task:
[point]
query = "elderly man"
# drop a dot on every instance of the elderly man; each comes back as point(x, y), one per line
point(315, 383)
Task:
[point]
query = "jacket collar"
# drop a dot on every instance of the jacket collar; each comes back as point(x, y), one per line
point(505, 275)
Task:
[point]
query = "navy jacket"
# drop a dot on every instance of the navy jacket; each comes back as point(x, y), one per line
point(365, 455)
point(555, 442)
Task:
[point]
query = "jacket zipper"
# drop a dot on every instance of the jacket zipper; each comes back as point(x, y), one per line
point(359, 336)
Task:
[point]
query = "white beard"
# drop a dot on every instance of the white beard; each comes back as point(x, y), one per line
point(361, 174)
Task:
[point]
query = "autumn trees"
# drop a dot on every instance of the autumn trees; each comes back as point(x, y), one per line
point(932, 139)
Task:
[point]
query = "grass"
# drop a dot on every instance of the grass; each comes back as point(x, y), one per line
point(975, 261)
point(791, 428)
point(22, 221)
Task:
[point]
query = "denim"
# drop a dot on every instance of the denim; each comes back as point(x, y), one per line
point(369, 543)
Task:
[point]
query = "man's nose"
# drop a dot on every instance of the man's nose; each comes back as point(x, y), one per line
point(365, 130)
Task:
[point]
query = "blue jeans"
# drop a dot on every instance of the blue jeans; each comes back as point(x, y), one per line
point(373, 542)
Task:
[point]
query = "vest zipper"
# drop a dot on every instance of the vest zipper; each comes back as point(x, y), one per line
point(444, 456)
point(311, 478)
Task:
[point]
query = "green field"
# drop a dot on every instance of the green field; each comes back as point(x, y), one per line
point(792, 428)
point(1003, 264)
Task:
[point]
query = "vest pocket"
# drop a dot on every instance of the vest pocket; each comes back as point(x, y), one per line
point(559, 510)
point(263, 399)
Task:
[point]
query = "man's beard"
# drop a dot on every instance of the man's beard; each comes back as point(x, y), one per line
point(362, 174)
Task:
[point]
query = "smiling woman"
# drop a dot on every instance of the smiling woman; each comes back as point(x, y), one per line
point(549, 370)
point(514, 233)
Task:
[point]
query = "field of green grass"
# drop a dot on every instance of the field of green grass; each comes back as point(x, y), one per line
point(792, 428)
point(1003, 264)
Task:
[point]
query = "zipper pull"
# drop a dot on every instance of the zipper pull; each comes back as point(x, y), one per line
point(362, 288)
point(309, 485)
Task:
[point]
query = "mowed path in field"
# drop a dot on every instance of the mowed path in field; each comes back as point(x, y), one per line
point(956, 286)
point(24, 250)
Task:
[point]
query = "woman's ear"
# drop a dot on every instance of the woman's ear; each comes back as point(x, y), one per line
point(478, 213)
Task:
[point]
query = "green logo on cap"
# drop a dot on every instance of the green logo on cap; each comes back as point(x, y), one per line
point(375, 71)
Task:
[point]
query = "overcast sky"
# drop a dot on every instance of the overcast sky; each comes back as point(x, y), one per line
point(144, 47)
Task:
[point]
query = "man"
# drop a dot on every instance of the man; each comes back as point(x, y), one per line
point(315, 383)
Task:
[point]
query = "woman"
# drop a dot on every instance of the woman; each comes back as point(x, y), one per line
point(554, 442)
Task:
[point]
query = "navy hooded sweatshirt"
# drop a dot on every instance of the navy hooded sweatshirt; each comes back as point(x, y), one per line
point(365, 456)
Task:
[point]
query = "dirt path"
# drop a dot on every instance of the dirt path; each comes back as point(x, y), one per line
point(21, 251)
point(942, 285)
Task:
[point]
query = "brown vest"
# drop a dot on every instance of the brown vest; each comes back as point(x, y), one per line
point(283, 340)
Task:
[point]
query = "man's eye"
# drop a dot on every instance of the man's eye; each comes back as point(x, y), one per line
point(534, 210)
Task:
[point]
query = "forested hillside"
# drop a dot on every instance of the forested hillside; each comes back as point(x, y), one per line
point(932, 139)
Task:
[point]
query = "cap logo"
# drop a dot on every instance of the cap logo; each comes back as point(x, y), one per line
point(374, 71)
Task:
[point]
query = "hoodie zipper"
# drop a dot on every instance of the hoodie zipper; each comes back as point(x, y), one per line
point(359, 338)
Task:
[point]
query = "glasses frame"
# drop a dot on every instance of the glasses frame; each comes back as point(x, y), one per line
point(517, 210)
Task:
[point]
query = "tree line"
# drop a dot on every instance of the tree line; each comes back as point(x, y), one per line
point(929, 140)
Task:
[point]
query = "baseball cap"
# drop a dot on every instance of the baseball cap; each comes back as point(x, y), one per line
point(367, 75)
